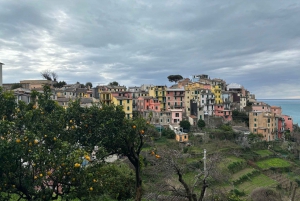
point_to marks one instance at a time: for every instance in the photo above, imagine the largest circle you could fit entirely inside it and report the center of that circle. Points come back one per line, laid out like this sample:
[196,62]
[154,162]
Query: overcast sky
[252,43]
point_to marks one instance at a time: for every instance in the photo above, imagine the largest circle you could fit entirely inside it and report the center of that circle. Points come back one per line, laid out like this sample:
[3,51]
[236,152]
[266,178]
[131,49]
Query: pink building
[127,94]
[148,103]
[261,106]
[276,110]
[175,98]
[176,115]
[225,113]
[288,123]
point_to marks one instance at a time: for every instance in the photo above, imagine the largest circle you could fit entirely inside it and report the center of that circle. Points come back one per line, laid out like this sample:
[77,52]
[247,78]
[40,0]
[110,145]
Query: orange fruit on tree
[35,141]
[157,156]
[134,126]
[35,177]
[18,140]
[142,132]
[91,189]
[87,157]
[49,173]
[41,175]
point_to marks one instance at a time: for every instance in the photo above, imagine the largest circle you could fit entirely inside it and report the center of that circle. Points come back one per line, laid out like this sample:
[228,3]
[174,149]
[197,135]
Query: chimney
[1,64]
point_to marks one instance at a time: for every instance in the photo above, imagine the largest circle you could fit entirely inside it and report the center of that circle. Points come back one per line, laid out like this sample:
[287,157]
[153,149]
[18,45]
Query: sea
[289,107]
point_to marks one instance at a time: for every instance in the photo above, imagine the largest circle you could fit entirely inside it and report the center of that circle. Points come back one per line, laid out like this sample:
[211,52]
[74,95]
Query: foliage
[185,124]
[240,116]
[114,83]
[46,150]
[49,75]
[37,162]
[226,127]
[201,123]
[253,138]
[246,177]
[88,84]
[168,133]
[236,166]
[174,78]
[273,162]
[265,194]
[16,85]
[59,84]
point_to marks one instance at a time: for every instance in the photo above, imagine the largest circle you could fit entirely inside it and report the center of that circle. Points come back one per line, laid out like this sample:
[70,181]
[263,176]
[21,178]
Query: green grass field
[241,173]
[257,181]
[264,153]
[273,162]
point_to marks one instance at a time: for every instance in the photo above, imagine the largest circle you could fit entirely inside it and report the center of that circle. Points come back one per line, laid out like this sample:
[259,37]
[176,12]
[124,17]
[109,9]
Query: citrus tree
[107,128]
[36,162]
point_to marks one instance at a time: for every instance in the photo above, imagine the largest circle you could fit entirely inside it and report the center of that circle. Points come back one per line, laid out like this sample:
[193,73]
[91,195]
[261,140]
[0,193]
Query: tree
[265,194]
[170,134]
[88,84]
[59,84]
[201,123]
[109,123]
[185,124]
[174,78]
[37,163]
[173,166]
[49,75]
[15,86]
[114,83]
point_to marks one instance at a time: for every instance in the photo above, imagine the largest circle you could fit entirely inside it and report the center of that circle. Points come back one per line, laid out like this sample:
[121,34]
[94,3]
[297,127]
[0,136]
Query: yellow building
[182,137]
[263,123]
[126,103]
[217,91]
[106,98]
[159,92]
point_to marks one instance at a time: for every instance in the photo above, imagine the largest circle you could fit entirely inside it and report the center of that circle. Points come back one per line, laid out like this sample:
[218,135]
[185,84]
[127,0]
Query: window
[168,120]
[128,101]
[254,125]
[176,114]
[254,119]
[120,102]
[169,98]
[128,116]
[128,108]
[161,120]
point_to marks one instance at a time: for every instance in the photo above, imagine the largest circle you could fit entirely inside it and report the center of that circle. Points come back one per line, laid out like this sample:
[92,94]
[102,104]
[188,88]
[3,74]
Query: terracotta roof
[193,116]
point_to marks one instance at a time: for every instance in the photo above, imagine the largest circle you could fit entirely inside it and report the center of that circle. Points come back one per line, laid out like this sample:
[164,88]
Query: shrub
[168,133]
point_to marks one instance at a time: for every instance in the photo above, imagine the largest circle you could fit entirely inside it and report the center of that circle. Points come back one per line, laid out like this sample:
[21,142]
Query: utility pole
[204,163]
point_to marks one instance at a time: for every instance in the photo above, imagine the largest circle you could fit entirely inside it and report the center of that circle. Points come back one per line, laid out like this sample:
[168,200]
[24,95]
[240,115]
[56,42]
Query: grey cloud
[135,42]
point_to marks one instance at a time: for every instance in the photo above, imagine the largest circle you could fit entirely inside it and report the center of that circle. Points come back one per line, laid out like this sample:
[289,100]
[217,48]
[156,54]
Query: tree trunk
[204,186]
[138,196]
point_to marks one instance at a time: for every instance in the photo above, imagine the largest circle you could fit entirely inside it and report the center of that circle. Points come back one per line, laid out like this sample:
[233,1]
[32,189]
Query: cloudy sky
[252,43]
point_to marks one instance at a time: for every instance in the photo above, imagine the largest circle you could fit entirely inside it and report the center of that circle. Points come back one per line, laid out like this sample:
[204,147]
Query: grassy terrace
[241,173]
[273,162]
[264,153]
[257,181]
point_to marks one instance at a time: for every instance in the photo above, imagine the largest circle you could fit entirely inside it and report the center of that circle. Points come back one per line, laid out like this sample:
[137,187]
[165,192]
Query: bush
[168,133]
[185,124]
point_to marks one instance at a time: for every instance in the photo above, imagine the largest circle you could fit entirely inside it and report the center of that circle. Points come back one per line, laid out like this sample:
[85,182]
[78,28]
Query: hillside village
[212,100]
[243,153]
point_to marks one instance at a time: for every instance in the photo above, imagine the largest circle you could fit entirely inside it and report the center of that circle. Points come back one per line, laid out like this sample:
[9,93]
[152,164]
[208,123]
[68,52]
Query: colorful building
[159,92]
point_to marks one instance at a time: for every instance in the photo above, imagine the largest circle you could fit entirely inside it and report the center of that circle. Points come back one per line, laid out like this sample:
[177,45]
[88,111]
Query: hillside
[236,172]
